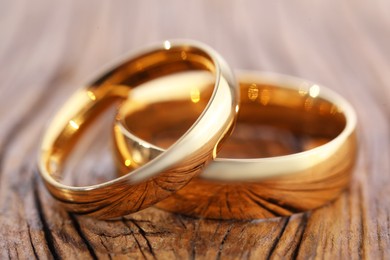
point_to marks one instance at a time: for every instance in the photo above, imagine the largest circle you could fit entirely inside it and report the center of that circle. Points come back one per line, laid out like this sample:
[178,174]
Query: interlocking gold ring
[249,188]
[171,170]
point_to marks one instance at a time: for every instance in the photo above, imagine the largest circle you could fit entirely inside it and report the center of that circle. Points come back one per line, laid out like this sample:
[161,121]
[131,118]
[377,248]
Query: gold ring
[171,170]
[249,188]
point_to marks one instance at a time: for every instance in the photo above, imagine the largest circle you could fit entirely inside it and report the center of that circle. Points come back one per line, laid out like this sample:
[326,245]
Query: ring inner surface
[88,103]
[272,121]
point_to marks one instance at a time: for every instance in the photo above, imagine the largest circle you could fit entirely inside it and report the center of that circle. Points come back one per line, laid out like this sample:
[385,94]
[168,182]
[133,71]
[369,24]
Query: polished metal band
[169,172]
[247,188]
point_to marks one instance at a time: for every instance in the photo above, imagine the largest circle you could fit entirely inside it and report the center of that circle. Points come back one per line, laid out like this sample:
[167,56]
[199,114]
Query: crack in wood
[77,227]
[105,247]
[143,234]
[31,242]
[362,250]
[223,241]
[194,239]
[302,229]
[50,242]
[135,238]
[284,222]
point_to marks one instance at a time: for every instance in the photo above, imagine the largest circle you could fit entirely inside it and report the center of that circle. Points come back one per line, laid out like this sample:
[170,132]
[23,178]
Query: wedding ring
[251,188]
[169,171]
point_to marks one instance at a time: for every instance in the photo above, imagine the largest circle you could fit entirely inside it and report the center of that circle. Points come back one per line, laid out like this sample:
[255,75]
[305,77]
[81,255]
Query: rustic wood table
[49,48]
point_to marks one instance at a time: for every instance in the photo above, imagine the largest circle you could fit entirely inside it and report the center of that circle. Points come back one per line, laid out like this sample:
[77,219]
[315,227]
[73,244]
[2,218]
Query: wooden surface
[48,49]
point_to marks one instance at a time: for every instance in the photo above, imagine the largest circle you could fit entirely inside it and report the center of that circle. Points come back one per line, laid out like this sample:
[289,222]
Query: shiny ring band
[250,188]
[167,173]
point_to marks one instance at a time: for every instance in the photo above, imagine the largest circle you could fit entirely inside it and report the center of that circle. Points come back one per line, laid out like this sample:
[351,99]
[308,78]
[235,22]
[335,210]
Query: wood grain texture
[47,49]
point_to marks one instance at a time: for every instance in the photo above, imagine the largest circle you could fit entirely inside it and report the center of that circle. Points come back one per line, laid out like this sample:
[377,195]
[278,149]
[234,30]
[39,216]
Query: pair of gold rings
[177,105]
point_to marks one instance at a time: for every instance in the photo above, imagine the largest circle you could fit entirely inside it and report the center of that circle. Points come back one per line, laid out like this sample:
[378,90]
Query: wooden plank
[48,49]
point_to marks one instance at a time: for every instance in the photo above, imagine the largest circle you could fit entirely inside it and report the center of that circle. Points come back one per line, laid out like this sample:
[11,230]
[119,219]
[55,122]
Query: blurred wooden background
[47,50]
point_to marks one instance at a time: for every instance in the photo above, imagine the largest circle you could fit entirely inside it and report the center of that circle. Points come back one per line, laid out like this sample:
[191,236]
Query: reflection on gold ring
[168,173]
